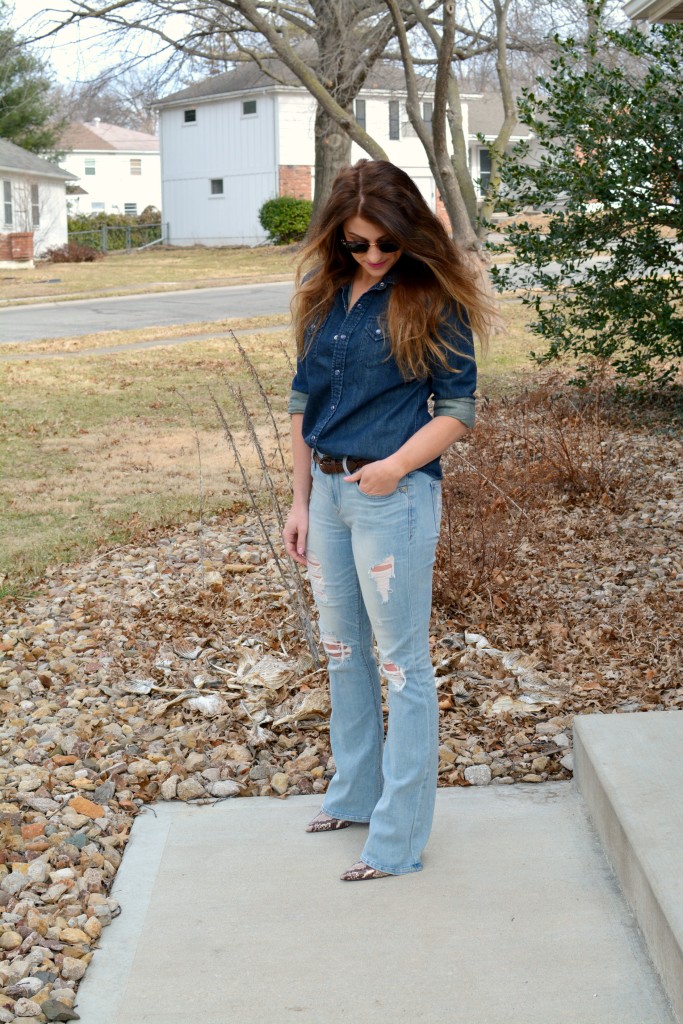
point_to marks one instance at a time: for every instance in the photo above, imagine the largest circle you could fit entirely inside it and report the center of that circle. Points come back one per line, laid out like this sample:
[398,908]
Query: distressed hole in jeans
[395,676]
[381,573]
[315,575]
[336,650]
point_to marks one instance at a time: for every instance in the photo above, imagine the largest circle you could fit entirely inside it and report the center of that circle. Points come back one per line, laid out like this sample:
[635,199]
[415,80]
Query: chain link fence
[113,237]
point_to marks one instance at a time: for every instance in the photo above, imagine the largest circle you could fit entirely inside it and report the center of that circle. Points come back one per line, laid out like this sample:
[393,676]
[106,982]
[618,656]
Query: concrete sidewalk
[232,914]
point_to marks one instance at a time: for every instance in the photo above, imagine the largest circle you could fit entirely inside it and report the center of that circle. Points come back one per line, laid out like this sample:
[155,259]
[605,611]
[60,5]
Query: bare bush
[546,448]
[72,252]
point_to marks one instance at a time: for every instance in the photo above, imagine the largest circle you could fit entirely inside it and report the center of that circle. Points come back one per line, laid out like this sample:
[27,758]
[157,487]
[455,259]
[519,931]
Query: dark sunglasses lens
[359,247]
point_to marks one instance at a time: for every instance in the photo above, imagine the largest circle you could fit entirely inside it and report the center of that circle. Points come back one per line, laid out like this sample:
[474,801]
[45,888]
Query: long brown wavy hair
[432,275]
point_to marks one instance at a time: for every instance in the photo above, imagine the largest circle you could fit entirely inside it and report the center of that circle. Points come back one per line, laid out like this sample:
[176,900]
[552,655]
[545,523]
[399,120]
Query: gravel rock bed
[175,669]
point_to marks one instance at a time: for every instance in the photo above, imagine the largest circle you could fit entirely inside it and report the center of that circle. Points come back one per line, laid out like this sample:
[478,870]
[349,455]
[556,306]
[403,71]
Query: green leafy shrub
[603,273]
[122,231]
[285,219]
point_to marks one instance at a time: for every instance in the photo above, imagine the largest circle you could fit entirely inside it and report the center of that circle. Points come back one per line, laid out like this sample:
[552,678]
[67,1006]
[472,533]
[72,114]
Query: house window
[427,111]
[248,108]
[7,196]
[394,132]
[216,186]
[130,209]
[135,166]
[97,207]
[89,166]
[190,116]
[484,170]
[35,206]
[360,113]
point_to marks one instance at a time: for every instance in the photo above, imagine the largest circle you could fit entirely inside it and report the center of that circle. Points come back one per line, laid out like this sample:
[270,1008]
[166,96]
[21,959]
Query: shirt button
[336,373]
[336,337]
[343,336]
[333,407]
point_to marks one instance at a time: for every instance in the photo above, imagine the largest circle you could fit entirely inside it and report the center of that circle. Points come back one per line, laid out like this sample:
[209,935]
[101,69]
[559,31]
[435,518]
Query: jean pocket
[377,497]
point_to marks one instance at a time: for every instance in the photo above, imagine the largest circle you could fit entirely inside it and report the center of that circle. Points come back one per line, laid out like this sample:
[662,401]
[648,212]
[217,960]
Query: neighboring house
[33,205]
[236,139]
[655,10]
[118,169]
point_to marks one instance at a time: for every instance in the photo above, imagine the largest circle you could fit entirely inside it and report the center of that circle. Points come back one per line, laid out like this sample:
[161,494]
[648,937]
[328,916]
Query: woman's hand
[295,532]
[377,478]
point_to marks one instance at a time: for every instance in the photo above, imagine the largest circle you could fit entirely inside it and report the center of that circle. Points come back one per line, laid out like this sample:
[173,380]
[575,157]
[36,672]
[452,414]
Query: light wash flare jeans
[370,563]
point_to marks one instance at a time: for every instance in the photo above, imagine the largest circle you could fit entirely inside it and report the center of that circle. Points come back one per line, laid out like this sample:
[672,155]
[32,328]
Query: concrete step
[629,769]
[233,914]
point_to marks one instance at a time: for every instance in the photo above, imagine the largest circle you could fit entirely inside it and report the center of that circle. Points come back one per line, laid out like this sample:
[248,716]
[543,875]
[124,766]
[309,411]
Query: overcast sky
[77,53]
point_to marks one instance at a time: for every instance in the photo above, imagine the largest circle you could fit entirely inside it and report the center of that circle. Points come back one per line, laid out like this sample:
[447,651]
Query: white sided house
[235,140]
[118,169]
[33,205]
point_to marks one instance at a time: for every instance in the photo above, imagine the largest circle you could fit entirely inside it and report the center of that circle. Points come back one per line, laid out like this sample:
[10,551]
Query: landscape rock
[86,807]
[169,788]
[280,782]
[26,1008]
[55,1010]
[190,789]
[224,788]
[478,775]
[73,969]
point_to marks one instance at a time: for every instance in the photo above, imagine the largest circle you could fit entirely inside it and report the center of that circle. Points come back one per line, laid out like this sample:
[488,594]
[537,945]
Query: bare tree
[444,140]
[330,46]
[123,98]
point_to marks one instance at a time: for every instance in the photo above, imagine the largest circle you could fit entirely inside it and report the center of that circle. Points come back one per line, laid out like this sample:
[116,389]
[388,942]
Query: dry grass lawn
[156,269]
[97,449]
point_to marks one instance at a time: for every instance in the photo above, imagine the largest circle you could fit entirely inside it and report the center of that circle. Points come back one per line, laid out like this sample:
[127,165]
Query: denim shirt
[355,399]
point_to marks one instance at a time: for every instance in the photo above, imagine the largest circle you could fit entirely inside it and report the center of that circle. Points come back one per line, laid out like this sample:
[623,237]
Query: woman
[382,324]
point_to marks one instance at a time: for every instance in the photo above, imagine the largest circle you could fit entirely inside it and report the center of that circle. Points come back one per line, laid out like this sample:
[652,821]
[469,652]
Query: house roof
[485,109]
[14,158]
[100,136]
[655,10]
[249,76]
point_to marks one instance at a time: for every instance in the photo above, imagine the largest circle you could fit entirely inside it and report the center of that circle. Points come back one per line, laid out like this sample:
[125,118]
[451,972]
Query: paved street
[85,316]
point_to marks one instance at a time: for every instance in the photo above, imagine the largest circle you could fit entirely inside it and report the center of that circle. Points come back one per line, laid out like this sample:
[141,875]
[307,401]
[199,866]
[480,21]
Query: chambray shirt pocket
[376,348]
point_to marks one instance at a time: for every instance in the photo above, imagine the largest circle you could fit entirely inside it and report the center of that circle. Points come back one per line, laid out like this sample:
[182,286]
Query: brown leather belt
[346,465]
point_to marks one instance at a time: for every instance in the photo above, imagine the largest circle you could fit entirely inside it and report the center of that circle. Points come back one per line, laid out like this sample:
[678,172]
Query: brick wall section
[21,245]
[5,248]
[296,180]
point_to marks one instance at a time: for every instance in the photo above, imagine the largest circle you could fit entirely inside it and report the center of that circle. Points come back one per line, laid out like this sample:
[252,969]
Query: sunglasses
[358,247]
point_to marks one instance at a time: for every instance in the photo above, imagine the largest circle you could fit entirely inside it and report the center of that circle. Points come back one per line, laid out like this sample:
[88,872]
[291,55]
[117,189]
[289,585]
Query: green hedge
[286,219]
[91,221]
[122,231]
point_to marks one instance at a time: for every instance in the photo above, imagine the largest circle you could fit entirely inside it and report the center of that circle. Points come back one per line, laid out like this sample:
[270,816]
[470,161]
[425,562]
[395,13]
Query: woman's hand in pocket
[377,479]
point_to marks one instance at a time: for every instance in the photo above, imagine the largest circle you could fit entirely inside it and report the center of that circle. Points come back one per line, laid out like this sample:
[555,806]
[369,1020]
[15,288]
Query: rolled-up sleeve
[298,396]
[454,386]
[297,401]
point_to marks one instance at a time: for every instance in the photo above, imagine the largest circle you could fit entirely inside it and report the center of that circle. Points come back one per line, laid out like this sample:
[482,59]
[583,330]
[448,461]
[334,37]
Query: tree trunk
[497,149]
[332,152]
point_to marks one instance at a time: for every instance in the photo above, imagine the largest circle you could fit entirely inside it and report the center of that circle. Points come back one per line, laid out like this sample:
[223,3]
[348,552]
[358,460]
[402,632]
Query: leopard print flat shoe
[360,872]
[325,823]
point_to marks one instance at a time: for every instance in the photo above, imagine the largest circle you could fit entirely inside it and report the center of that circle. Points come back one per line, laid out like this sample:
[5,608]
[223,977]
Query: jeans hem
[346,817]
[392,871]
